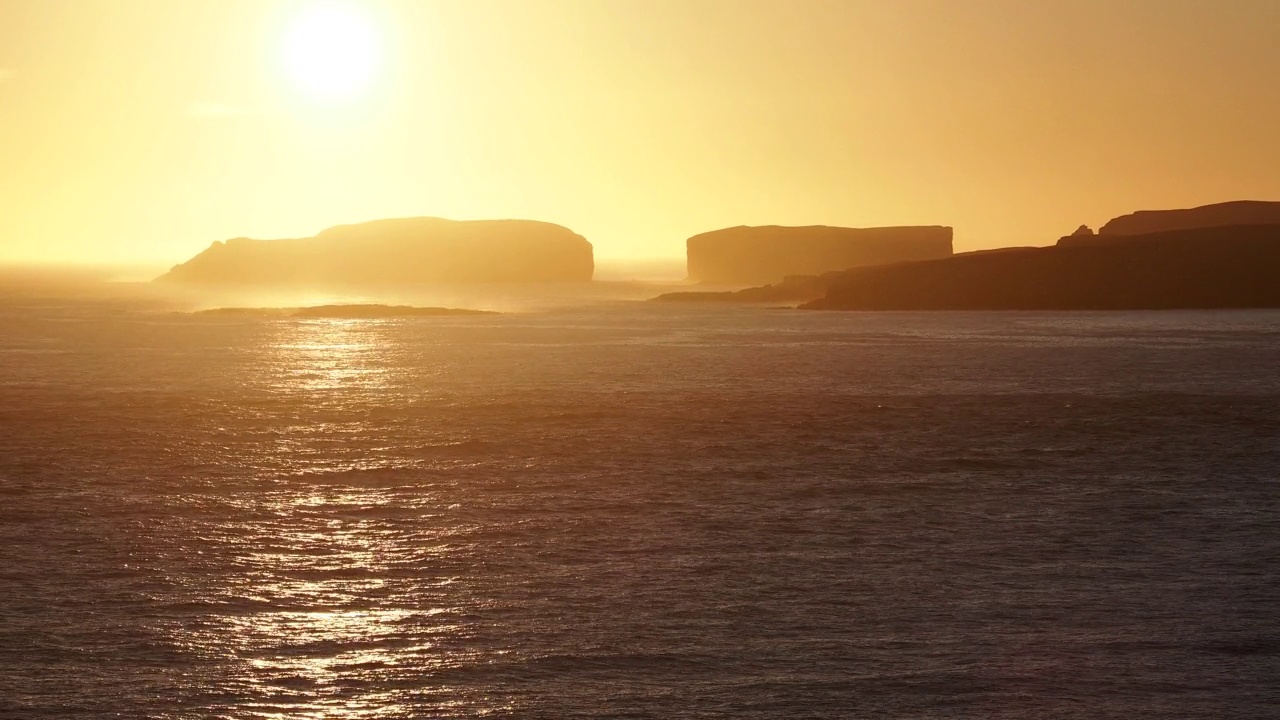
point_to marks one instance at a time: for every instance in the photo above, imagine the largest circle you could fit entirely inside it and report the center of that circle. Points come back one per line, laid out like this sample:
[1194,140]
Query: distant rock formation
[398,252]
[343,312]
[1084,231]
[1241,212]
[757,255]
[1215,267]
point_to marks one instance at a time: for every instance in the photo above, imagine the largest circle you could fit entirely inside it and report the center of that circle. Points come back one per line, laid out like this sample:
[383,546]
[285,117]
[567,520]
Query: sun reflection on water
[329,617]
[343,600]
[330,355]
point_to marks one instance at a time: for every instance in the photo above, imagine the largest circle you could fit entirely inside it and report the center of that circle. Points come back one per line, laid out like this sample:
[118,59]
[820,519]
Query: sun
[331,53]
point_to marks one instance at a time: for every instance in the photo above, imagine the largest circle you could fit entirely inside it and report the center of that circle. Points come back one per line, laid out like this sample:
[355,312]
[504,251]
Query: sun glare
[331,53]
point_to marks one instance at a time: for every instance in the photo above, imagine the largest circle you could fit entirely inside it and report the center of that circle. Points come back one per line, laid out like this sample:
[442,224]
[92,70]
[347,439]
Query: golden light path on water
[634,510]
[330,355]
[342,586]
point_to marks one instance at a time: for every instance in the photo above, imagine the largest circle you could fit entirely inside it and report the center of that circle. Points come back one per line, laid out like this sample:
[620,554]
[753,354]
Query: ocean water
[630,510]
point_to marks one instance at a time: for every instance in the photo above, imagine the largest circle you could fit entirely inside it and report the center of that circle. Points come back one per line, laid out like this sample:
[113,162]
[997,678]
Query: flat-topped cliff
[1240,212]
[756,255]
[1216,267]
[398,252]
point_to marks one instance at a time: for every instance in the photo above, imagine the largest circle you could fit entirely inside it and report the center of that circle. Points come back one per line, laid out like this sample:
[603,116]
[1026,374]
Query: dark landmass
[756,255]
[345,312]
[1240,212]
[1204,268]
[399,252]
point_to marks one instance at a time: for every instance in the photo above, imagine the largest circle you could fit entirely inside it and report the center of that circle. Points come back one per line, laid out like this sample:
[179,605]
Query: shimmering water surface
[633,510]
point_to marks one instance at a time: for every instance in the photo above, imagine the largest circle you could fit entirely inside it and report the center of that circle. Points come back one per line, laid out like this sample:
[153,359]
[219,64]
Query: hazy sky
[142,130]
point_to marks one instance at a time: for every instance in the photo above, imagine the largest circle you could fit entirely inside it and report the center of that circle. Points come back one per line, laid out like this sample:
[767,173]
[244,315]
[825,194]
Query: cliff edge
[1240,212]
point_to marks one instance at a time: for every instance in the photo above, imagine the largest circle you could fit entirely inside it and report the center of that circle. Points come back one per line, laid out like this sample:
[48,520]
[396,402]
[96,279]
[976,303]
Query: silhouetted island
[754,255]
[397,252]
[345,312]
[1215,267]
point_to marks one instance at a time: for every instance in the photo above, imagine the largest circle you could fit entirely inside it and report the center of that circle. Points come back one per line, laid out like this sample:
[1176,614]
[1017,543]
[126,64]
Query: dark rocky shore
[1215,256]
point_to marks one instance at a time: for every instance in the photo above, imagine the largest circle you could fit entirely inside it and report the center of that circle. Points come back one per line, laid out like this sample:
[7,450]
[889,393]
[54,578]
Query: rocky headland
[1225,255]
[1217,267]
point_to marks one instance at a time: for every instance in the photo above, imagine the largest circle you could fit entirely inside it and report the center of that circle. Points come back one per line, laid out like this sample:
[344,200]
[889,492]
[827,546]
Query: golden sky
[142,130]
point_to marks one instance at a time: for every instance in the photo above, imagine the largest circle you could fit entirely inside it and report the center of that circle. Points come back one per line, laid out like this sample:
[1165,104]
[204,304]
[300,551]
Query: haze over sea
[610,508]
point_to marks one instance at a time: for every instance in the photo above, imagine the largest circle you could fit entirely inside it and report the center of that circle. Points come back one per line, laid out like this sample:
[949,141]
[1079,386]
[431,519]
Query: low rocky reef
[792,290]
[397,253]
[757,255]
[344,312]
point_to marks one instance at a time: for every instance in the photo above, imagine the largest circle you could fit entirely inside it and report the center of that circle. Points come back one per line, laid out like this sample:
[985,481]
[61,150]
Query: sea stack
[398,252]
[759,255]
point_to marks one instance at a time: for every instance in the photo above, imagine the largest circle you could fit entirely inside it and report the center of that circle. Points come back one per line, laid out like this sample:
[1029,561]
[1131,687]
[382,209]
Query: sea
[612,508]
